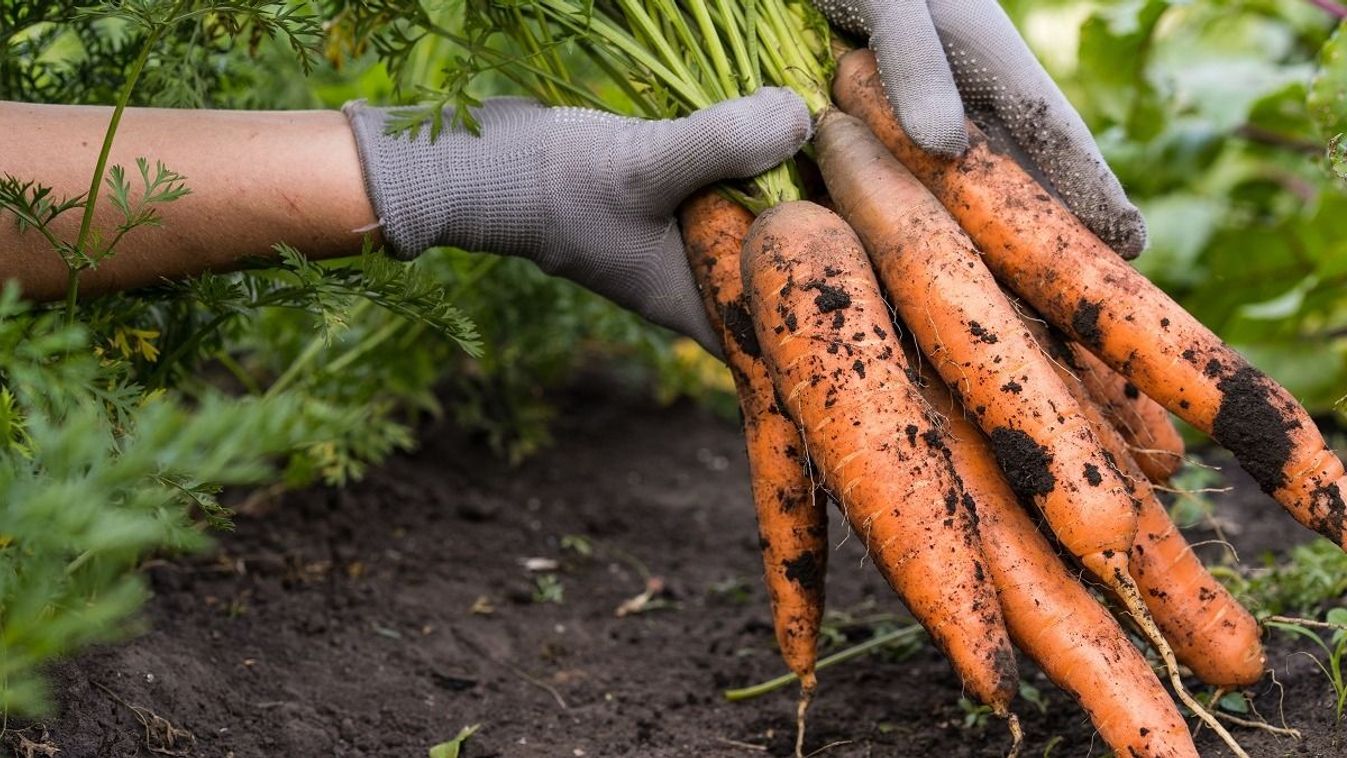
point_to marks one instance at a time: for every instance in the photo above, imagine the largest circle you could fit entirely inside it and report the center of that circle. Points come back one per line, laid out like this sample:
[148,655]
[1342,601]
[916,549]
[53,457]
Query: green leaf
[1282,306]
[1034,696]
[451,748]
[1337,616]
[1234,702]
[1113,54]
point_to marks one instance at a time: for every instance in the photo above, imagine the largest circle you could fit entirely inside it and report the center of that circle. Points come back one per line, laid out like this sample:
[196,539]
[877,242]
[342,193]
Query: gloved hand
[939,57]
[584,194]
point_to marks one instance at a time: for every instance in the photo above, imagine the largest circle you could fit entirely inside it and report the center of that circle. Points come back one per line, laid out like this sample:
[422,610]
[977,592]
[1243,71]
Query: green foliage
[94,473]
[122,418]
[547,588]
[1300,583]
[1328,90]
[1334,649]
[451,748]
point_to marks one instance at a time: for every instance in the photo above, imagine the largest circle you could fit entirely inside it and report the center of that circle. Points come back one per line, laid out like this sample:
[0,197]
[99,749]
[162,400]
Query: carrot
[974,337]
[1211,633]
[1050,615]
[950,301]
[829,344]
[1034,245]
[792,522]
[1144,424]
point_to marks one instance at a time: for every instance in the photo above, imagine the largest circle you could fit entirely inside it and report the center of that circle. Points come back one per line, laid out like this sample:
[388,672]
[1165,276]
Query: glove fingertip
[946,142]
[789,117]
[1125,232]
[935,122]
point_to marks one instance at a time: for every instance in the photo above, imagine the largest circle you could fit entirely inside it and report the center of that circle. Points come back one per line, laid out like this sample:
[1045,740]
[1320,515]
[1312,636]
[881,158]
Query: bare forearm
[257,178]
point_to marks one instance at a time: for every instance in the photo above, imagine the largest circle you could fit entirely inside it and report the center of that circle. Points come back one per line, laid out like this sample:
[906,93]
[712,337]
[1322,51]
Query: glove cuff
[459,190]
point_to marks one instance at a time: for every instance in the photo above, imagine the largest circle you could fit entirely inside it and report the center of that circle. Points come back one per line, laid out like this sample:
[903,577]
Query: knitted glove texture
[586,195]
[940,59]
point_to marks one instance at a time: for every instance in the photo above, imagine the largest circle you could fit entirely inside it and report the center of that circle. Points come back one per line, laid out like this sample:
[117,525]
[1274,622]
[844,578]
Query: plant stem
[91,201]
[380,336]
[310,352]
[711,39]
[743,59]
[902,634]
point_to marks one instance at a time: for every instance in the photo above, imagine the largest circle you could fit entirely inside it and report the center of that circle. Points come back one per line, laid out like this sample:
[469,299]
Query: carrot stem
[903,634]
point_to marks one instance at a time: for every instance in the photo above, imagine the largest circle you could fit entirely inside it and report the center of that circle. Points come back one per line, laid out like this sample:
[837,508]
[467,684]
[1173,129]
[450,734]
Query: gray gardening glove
[586,195]
[940,57]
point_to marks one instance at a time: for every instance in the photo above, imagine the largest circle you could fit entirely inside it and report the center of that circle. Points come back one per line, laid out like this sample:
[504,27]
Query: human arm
[586,195]
[256,178]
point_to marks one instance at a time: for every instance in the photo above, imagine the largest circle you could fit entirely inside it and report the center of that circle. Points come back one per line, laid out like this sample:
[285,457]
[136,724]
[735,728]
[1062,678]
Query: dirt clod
[740,326]
[1252,428]
[1085,323]
[829,298]
[1025,462]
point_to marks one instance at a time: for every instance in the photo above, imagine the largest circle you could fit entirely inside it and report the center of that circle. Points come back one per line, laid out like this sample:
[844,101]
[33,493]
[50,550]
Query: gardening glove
[938,58]
[584,194]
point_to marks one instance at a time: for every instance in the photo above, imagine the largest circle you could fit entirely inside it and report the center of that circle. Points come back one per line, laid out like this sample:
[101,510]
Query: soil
[380,619]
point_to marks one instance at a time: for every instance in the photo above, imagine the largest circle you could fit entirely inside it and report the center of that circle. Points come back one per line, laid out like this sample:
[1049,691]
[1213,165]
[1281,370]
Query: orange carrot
[1143,423]
[829,344]
[1035,246]
[936,280]
[1211,633]
[792,522]
[1050,615]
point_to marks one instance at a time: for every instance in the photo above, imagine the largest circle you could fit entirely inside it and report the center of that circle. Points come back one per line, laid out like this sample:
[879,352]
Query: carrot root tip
[1016,735]
[807,685]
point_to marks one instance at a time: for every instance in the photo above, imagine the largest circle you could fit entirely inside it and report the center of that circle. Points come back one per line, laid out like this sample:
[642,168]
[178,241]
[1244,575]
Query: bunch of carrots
[943,350]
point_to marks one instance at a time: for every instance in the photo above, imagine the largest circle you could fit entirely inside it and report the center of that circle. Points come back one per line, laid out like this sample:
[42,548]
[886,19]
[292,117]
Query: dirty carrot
[830,346]
[973,337]
[1040,250]
[1041,436]
[1144,424]
[792,521]
[1050,615]
[1210,632]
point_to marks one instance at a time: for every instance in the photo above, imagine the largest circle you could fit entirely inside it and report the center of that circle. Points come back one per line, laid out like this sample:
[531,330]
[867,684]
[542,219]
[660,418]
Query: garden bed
[381,619]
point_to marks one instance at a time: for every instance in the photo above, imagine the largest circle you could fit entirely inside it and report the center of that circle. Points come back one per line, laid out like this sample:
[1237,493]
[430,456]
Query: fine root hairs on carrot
[792,514]
[828,341]
[974,339]
[1035,246]
[1211,633]
[1050,615]
[1239,649]
[1144,424]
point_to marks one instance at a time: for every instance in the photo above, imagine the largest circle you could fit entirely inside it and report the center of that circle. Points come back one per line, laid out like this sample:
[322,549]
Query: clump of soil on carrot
[1252,428]
[342,623]
[1085,322]
[740,326]
[1025,462]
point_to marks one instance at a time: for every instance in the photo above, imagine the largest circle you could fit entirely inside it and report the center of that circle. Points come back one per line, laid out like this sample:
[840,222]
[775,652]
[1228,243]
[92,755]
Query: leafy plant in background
[115,438]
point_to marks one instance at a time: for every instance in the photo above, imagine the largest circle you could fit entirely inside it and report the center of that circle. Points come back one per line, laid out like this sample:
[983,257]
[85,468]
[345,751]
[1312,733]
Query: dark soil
[342,623]
[1027,464]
